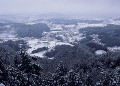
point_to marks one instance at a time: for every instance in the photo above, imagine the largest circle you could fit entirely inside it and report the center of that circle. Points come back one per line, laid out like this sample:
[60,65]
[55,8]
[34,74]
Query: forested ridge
[71,66]
[108,35]
[34,30]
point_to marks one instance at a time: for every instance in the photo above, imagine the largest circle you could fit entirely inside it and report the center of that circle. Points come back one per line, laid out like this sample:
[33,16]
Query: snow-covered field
[83,25]
[38,43]
[7,36]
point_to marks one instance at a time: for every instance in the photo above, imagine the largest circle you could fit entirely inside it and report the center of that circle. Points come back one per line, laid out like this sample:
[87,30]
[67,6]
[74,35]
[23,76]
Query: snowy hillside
[60,33]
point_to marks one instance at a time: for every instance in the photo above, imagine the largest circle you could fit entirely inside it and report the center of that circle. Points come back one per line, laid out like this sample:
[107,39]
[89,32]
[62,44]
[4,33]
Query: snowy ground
[1,84]
[114,49]
[7,36]
[69,34]
[38,43]
[100,52]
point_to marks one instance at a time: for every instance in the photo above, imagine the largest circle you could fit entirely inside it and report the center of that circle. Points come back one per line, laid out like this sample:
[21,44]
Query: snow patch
[83,25]
[1,84]
[114,49]
[100,52]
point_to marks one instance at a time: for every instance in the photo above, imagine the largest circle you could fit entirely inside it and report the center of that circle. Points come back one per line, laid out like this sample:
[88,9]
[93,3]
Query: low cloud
[96,7]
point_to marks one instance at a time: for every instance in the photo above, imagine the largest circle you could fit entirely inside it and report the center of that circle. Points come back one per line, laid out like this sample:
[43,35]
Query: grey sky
[60,6]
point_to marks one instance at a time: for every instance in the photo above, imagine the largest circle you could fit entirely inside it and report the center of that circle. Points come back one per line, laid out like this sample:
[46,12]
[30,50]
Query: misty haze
[59,43]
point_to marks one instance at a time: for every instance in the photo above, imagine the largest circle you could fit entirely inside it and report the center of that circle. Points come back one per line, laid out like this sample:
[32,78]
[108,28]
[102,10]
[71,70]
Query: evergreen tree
[3,72]
[60,75]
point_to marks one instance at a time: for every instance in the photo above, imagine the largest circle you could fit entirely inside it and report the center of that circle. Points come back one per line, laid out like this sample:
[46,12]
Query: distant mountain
[73,21]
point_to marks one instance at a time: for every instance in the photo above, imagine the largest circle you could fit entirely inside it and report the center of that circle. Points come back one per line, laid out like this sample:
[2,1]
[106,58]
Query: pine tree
[16,61]
[3,72]
[60,75]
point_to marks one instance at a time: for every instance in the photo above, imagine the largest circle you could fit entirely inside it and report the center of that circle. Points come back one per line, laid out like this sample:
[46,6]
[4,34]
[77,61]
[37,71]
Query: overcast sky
[60,6]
